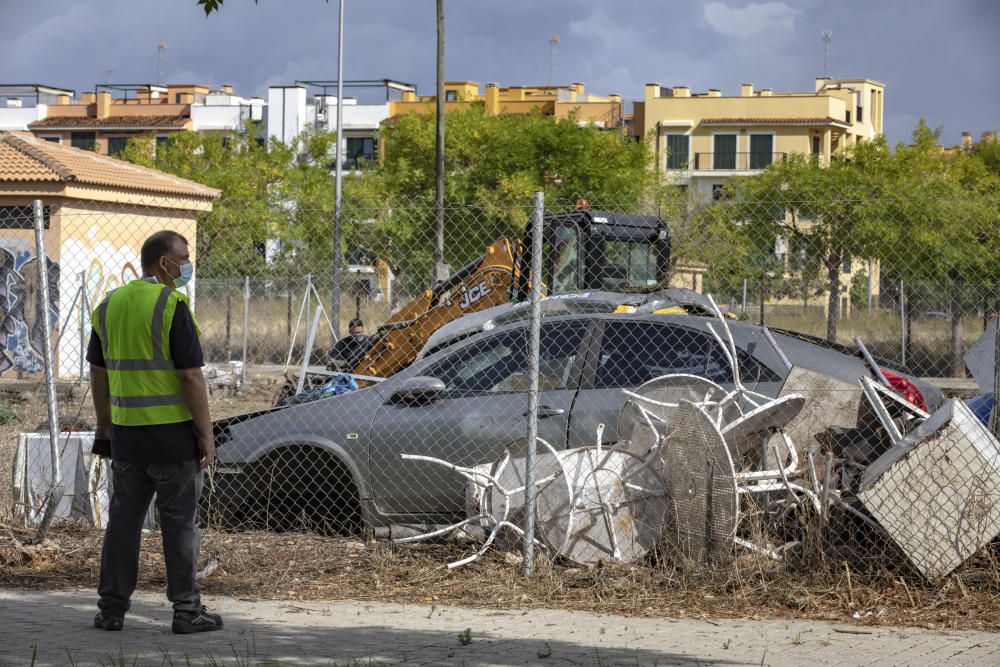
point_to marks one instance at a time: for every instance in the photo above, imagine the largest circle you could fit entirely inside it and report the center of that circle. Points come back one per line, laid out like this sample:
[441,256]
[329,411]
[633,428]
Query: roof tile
[25,158]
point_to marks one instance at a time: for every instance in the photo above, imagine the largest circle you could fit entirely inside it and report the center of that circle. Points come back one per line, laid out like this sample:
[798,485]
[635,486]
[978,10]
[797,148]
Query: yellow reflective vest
[133,323]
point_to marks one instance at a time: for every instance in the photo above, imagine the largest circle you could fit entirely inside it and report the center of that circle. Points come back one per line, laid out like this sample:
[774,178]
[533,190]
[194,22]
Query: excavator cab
[604,250]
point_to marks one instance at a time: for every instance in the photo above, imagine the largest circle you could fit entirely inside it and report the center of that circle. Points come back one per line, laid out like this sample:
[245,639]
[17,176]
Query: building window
[359,149]
[677,151]
[761,150]
[451,96]
[116,145]
[847,264]
[22,217]
[725,151]
[848,116]
[816,144]
[54,138]
[85,140]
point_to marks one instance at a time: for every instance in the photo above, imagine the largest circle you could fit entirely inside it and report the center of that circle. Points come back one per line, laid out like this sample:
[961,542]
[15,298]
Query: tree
[266,193]
[494,165]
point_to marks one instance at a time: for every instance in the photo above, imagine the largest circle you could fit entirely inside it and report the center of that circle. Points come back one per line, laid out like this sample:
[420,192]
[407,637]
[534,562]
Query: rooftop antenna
[108,71]
[160,48]
[827,37]
[553,43]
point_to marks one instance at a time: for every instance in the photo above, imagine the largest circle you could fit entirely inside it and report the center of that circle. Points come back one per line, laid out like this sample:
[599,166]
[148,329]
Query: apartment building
[103,120]
[559,102]
[701,139]
[310,106]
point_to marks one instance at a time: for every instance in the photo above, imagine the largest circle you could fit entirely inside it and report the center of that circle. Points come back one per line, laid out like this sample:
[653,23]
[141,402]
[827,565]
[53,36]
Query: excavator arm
[482,284]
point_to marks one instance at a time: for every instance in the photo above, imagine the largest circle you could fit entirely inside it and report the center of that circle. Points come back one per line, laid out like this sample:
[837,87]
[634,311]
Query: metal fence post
[56,488]
[246,320]
[84,321]
[533,353]
[902,324]
[743,307]
[994,424]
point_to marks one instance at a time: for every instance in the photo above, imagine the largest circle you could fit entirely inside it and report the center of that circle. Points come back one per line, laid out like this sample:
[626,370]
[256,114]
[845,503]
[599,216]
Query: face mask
[358,337]
[187,272]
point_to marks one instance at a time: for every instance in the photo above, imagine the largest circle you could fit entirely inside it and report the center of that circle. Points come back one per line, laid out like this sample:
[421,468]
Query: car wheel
[298,488]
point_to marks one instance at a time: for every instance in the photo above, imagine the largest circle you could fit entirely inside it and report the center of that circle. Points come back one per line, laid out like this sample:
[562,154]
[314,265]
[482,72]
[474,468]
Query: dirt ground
[295,567]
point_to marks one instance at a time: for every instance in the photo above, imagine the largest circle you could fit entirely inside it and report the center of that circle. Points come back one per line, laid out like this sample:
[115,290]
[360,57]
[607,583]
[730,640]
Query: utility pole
[827,37]
[553,43]
[339,179]
[160,48]
[439,151]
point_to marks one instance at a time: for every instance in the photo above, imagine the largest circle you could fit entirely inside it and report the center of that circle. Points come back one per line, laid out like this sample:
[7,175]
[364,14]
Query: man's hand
[102,431]
[206,448]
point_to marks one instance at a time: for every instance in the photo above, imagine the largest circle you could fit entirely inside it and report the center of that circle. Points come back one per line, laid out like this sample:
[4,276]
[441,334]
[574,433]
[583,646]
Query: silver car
[335,464]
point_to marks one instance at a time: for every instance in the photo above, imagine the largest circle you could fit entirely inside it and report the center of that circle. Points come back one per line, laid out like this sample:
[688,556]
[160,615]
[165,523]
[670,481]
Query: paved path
[58,627]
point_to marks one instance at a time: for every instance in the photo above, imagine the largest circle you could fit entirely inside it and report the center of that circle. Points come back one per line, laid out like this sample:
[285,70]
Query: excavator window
[567,270]
[628,264]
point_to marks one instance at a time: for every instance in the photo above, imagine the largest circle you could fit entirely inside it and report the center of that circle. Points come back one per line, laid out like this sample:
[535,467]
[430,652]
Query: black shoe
[109,621]
[187,622]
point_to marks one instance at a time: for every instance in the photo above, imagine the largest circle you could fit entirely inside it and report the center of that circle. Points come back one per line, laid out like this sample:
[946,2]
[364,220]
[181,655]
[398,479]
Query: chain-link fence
[802,413]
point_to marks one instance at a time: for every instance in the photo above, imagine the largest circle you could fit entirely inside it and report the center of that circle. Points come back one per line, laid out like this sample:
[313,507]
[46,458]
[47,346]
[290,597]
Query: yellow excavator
[583,250]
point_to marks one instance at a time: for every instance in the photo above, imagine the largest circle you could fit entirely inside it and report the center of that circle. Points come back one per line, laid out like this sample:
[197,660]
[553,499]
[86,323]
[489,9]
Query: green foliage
[492,161]
[265,194]
[924,214]
[859,290]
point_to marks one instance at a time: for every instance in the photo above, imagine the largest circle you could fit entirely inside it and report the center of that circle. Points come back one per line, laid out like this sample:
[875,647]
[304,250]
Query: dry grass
[309,567]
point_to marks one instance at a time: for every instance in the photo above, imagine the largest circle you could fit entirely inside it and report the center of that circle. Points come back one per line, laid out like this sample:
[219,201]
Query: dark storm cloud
[938,59]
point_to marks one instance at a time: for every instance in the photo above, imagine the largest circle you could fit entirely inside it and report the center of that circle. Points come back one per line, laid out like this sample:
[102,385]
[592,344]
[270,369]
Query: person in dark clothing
[151,402]
[350,349]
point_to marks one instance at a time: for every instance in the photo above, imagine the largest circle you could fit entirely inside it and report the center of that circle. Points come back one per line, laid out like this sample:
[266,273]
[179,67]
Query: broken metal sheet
[603,504]
[701,485]
[751,431]
[937,495]
[981,358]
[832,403]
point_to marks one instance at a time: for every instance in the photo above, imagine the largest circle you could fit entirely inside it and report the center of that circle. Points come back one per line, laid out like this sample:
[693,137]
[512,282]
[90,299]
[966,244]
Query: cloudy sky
[938,58]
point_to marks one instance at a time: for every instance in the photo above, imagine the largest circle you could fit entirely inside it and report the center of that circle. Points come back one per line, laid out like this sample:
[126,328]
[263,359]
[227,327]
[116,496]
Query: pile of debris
[702,472]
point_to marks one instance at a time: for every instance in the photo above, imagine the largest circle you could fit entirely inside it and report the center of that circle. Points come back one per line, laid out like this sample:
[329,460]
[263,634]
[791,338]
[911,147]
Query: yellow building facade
[556,101]
[701,139]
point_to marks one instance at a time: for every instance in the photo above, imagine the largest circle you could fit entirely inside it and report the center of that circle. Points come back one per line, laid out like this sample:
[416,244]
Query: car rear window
[635,352]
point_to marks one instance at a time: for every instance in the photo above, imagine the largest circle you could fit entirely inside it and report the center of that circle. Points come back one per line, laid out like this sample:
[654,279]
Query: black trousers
[177,487]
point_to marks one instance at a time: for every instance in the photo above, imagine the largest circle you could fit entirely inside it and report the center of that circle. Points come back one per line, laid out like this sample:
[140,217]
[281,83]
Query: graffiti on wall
[21,323]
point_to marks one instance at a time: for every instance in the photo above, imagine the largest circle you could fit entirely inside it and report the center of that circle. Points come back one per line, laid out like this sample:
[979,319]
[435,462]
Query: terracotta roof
[25,158]
[111,123]
[773,121]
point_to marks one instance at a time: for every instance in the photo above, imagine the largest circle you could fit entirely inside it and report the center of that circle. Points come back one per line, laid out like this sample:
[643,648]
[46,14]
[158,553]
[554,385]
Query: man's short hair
[356,322]
[157,246]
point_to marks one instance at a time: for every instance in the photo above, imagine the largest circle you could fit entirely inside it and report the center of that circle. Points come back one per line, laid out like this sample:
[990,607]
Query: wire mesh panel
[320,387]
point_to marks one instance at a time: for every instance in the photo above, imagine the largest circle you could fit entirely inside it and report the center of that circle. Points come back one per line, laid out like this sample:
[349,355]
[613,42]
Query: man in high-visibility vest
[149,393]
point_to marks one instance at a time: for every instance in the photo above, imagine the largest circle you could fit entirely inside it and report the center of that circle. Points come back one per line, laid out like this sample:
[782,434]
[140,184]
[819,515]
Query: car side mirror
[418,389]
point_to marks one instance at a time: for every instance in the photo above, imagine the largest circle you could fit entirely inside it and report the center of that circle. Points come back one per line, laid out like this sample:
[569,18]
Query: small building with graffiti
[97,211]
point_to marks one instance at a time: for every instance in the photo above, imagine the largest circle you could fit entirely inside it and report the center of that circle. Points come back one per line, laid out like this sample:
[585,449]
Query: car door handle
[546,411]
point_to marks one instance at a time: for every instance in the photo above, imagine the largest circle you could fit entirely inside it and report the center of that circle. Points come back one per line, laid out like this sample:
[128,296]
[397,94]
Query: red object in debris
[906,389]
